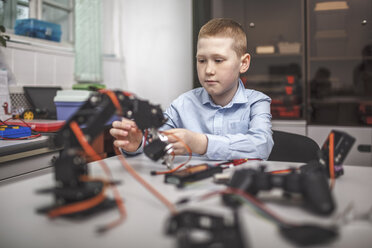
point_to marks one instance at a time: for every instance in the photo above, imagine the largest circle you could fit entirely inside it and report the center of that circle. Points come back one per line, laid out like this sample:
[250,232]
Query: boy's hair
[223,27]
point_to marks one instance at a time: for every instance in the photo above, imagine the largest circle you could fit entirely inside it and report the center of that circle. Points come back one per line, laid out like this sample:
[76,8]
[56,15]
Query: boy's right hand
[127,135]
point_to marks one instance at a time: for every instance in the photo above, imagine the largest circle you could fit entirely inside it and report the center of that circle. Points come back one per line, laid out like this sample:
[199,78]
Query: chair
[292,147]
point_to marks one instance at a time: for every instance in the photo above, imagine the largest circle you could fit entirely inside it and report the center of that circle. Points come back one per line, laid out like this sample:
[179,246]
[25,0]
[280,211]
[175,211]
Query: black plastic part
[343,143]
[82,191]
[316,192]
[244,179]
[155,150]
[147,115]
[312,184]
[312,166]
[217,233]
[192,174]
[306,235]
[231,201]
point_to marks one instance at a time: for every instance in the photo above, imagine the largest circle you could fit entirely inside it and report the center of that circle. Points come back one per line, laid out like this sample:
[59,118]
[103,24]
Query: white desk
[20,226]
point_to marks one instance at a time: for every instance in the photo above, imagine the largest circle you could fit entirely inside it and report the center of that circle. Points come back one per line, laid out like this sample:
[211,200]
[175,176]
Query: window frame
[35,11]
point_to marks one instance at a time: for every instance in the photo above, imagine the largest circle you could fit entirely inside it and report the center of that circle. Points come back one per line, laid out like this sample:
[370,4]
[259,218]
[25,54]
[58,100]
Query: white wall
[151,44]
[156,43]
[32,65]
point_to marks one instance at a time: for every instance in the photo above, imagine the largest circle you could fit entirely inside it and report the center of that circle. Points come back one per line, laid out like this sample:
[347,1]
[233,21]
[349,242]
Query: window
[55,11]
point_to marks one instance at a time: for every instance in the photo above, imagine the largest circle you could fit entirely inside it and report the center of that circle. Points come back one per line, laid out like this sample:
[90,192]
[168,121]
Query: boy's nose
[209,69]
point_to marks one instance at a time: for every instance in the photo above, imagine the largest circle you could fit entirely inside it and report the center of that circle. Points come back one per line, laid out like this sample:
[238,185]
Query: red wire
[247,196]
[256,202]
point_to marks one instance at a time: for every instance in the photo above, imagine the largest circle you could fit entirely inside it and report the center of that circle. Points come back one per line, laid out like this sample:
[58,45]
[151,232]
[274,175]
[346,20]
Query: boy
[221,120]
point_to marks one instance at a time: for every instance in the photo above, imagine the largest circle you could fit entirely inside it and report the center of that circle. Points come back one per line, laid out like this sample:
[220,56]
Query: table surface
[21,226]
[16,148]
[15,143]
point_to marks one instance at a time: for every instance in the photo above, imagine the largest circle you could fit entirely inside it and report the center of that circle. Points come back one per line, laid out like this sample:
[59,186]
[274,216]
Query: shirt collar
[238,98]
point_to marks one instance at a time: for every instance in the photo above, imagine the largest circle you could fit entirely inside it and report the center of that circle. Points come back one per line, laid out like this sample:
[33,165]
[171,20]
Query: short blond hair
[224,27]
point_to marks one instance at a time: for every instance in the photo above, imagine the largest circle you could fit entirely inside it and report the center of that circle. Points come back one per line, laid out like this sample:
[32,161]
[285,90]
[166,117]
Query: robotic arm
[92,116]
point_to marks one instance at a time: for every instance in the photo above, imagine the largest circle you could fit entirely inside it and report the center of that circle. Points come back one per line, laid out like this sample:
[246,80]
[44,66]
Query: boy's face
[219,67]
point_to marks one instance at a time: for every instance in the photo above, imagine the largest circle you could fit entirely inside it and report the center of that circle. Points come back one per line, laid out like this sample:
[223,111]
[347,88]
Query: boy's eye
[201,60]
[218,60]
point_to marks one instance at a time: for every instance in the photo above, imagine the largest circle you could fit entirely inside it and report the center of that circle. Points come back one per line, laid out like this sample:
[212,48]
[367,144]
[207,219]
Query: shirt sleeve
[256,143]
[172,116]
[139,150]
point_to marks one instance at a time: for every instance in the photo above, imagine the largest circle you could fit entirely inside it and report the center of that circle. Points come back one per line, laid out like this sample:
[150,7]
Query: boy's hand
[196,141]
[127,135]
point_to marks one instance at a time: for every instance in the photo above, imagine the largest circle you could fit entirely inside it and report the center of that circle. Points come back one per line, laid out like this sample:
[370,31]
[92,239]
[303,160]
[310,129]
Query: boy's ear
[245,62]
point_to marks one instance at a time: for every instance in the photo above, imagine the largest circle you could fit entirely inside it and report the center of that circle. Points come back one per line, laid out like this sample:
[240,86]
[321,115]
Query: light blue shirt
[241,129]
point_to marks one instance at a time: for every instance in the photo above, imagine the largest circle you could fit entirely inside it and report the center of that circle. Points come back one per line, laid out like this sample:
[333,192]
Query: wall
[148,46]
[157,47]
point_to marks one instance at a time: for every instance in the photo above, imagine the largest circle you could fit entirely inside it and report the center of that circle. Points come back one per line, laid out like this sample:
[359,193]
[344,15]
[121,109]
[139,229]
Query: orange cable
[114,100]
[91,152]
[130,169]
[181,165]
[135,175]
[280,171]
[331,159]
[127,93]
[79,206]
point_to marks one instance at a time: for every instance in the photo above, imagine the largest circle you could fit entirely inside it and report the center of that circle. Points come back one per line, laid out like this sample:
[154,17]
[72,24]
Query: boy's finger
[121,143]
[171,139]
[118,132]
[117,124]
[121,125]
[128,121]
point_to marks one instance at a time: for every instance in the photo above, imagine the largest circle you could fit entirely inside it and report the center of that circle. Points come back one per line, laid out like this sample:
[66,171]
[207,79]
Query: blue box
[14,131]
[66,109]
[38,29]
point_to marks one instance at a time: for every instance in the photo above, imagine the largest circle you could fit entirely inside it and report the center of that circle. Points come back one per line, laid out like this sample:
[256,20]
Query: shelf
[339,59]
[341,99]
[276,55]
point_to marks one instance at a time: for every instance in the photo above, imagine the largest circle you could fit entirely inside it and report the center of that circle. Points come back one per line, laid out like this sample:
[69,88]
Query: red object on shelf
[44,126]
[290,79]
[365,111]
[282,111]
[369,120]
[289,90]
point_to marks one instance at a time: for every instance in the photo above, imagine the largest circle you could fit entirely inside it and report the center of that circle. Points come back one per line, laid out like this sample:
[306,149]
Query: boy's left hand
[196,141]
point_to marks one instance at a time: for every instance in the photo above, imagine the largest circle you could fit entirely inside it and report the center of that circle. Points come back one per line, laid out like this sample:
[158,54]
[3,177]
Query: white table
[144,227]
